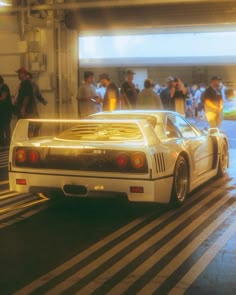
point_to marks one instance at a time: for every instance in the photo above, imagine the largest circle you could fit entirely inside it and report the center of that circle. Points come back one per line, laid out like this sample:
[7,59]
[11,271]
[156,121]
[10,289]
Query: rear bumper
[158,190]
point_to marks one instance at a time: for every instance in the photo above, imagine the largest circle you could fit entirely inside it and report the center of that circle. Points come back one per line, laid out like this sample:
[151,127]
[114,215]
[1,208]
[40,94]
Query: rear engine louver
[160,162]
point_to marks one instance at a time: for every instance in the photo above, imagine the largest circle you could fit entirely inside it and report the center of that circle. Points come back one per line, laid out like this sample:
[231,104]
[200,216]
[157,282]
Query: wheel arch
[218,146]
[188,161]
[227,143]
[225,140]
[178,196]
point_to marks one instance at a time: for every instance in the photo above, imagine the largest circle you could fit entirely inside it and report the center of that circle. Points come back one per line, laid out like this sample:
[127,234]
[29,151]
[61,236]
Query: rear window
[155,120]
[103,132]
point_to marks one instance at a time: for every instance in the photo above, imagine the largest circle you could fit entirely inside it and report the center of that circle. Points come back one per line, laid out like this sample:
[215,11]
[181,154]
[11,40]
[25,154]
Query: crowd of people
[108,96]
[197,101]
[24,104]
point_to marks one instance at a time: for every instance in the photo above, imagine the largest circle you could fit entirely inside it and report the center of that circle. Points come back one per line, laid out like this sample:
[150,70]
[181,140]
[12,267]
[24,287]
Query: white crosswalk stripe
[122,267]
[15,206]
[4,159]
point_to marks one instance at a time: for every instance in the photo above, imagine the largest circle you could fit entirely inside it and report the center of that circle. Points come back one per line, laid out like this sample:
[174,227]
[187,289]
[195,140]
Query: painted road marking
[4,182]
[185,253]
[203,262]
[131,278]
[83,255]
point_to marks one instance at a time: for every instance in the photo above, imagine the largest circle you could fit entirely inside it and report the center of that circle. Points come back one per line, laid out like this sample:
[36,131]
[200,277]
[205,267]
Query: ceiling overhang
[91,4]
[139,16]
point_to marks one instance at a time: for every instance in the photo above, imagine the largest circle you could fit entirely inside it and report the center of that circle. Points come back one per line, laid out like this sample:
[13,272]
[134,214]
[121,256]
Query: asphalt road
[110,247]
[71,246]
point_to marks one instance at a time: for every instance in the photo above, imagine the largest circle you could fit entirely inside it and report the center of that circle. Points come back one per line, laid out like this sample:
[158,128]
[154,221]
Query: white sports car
[148,156]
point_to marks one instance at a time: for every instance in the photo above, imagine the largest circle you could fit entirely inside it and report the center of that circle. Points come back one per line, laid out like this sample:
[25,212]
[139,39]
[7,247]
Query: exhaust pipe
[75,190]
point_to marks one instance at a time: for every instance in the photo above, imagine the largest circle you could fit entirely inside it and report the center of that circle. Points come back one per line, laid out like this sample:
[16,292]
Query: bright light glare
[2,3]
[159,45]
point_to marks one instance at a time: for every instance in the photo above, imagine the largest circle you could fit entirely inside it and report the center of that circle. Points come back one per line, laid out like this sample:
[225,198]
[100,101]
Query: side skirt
[203,178]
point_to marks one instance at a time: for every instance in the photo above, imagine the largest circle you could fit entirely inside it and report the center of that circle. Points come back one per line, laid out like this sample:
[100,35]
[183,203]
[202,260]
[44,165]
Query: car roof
[118,113]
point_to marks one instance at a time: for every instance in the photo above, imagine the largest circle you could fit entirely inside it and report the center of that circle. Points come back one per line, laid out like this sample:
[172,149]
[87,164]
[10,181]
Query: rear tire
[223,159]
[180,182]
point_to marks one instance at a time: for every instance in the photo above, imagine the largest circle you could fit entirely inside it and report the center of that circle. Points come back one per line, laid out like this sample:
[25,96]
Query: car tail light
[122,161]
[21,156]
[33,157]
[137,160]
[27,157]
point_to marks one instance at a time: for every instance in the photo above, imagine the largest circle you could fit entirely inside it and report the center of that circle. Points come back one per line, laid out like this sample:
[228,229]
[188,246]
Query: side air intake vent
[160,162]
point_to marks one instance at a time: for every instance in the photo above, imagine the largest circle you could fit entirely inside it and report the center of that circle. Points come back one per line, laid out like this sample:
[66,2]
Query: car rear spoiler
[24,128]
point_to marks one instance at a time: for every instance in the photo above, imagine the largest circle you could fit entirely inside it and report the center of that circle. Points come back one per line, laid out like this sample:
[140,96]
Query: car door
[199,145]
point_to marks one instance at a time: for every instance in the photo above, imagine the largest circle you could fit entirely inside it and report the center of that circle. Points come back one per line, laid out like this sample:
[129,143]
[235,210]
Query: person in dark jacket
[25,103]
[129,92]
[167,95]
[36,91]
[5,113]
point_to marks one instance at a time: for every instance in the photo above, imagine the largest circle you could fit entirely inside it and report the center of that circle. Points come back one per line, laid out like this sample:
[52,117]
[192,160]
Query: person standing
[213,103]
[167,94]
[173,96]
[179,94]
[148,99]
[198,95]
[25,103]
[128,91]
[36,91]
[5,113]
[87,96]
[111,99]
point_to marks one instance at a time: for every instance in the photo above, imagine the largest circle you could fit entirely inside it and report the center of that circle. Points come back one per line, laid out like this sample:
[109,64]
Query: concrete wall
[49,51]
[10,57]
